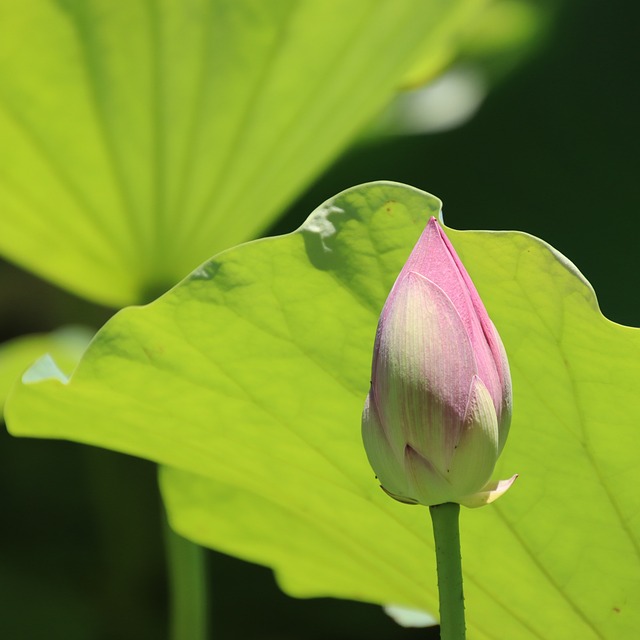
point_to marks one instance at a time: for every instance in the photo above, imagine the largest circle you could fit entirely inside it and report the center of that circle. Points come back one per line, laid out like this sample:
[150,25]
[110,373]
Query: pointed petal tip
[433,227]
[489,493]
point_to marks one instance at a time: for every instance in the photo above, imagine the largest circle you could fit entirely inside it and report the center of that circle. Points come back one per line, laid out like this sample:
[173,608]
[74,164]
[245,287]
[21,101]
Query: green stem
[446,534]
[188,587]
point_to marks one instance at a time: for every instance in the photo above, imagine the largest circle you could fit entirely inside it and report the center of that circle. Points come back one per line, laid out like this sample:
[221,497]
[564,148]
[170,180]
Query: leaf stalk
[188,587]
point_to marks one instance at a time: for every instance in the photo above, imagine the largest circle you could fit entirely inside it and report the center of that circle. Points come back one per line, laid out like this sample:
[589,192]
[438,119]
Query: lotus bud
[439,407]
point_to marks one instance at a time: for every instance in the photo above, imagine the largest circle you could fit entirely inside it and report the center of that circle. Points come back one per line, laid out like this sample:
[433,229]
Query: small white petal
[490,492]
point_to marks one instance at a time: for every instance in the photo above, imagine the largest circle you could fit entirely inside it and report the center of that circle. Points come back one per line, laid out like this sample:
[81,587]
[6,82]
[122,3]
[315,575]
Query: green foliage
[247,380]
[139,138]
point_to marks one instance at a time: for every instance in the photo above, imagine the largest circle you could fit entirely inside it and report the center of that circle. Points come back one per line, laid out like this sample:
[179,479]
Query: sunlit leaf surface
[139,138]
[248,380]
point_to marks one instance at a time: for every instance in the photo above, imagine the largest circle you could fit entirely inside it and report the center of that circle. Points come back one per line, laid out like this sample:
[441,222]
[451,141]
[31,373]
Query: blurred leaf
[506,33]
[504,28]
[446,86]
[65,346]
[248,379]
[507,26]
[139,137]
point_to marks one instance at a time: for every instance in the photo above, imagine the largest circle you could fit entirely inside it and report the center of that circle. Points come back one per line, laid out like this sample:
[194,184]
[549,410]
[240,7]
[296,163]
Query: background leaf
[248,379]
[141,137]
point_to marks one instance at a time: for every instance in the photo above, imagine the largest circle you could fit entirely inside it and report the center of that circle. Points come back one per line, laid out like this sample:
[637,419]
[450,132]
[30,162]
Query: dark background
[553,151]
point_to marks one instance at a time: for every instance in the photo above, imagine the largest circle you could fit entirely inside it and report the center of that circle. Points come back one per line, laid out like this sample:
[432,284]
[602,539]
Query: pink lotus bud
[438,411]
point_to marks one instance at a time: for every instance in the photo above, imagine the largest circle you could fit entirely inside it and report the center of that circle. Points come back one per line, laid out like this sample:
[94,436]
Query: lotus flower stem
[446,534]
[188,587]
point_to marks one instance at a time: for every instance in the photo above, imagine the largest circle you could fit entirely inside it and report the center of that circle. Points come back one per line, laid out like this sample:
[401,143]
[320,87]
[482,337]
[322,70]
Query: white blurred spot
[201,273]
[446,103]
[44,368]
[407,617]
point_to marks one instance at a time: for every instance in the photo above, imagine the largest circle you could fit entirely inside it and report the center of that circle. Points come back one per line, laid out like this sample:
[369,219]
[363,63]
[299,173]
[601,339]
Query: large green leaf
[139,138]
[248,380]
